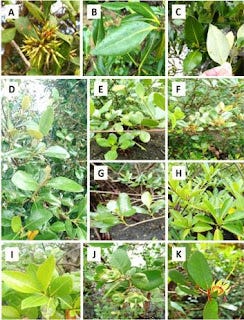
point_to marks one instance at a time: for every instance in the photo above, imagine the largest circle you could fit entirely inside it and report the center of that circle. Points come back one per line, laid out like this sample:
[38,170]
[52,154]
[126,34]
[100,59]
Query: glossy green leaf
[234,227]
[217,45]
[218,235]
[16,224]
[142,8]
[61,286]
[24,181]
[20,281]
[37,218]
[120,260]
[149,123]
[111,155]
[123,39]
[34,301]
[8,35]
[199,270]
[45,272]
[65,184]
[124,204]
[147,280]
[98,32]
[46,120]
[177,277]
[201,227]
[238,215]
[34,10]
[25,27]
[194,32]
[210,310]
[159,100]
[9,312]
[191,61]
[57,152]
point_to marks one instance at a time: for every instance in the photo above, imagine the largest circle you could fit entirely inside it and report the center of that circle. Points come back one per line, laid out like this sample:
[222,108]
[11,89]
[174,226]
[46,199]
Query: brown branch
[141,222]
[14,44]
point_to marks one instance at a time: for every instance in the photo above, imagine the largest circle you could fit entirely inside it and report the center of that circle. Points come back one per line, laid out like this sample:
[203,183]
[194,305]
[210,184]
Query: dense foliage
[127,40]
[211,34]
[208,284]
[126,284]
[44,160]
[207,123]
[127,118]
[43,40]
[44,283]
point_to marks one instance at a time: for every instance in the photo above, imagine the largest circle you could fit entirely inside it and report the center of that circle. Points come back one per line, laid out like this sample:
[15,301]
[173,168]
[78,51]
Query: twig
[14,44]
[141,222]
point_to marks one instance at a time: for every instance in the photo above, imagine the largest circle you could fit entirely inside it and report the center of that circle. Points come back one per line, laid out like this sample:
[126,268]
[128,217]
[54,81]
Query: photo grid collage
[122,159]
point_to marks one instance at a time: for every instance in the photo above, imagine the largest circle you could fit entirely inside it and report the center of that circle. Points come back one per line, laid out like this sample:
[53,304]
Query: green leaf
[191,61]
[124,204]
[147,280]
[159,100]
[140,90]
[33,130]
[46,120]
[142,8]
[210,310]
[146,199]
[201,227]
[9,312]
[61,286]
[24,181]
[20,281]
[240,32]
[98,32]
[217,45]
[123,39]
[120,260]
[238,215]
[8,35]
[34,301]
[177,277]
[218,235]
[199,270]
[111,155]
[34,10]
[235,228]
[144,136]
[45,272]
[25,27]
[37,218]
[16,224]
[65,184]
[149,123]
[57,152]
[194,33]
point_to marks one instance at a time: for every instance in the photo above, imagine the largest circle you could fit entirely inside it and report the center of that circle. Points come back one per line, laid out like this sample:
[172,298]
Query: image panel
[206,38]
[206,119]
[127,201]
[123,38]
[127,120]
[123,281]
[44,159]
[206,201]
[204,281]
[41,37]
[40,281]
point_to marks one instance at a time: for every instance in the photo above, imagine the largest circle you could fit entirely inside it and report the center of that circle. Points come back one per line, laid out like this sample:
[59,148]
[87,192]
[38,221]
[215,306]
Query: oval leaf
[210,310]
[8,35]
[199,270]
[61,286]
[34,301]
[194,32]
[9,312]
[45,272]
[120,260]
[217,45]
[46,120]
[123,39]
[147,280]
[65,184]
[16,224]
[38,217]
[24,181]
[191,61]
[57,152]
[146,199]
[20,281]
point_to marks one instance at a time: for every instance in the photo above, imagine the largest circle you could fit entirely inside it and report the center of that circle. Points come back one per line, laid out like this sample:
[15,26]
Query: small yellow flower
[231,210]
[221,287]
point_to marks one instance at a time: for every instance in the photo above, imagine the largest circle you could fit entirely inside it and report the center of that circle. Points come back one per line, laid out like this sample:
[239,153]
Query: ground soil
[155,150]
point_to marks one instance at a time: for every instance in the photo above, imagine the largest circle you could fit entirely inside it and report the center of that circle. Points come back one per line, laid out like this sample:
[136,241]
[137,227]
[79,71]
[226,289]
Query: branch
[14,44]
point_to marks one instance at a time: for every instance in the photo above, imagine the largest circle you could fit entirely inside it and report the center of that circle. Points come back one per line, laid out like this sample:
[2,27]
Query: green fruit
[118,297]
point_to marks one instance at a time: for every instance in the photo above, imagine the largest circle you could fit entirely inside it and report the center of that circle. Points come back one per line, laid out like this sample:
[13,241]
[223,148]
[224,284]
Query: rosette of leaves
[135,46]
[40,291]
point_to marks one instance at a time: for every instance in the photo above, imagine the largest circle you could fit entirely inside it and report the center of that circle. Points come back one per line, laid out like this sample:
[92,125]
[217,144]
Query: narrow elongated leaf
[45,272]
[46,120]
[34,10]
[199,270]
[123,39]
[143,9]
[61,286]
[194,32]
[38,217]
[34,301]
[210,310]
[24,181]
[65,184]
[217,45]
[57,152]
[8,35]
[120,260]
[20,281]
